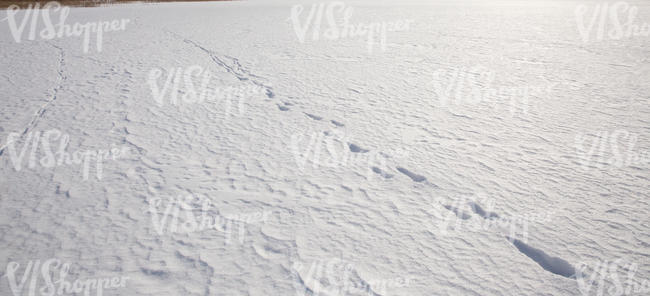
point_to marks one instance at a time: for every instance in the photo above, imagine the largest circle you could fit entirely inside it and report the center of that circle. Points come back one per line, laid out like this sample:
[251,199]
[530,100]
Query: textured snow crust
[407,194]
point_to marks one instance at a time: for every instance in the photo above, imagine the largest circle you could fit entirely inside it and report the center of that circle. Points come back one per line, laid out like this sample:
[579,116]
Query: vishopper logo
[334,277]
[609,21]
[616,148]
[55,285]
[336,149]
[338,15]
[615,278]
[475,85]
[61,157]
[475,213]
[191,213]
[58,29]
[196,85]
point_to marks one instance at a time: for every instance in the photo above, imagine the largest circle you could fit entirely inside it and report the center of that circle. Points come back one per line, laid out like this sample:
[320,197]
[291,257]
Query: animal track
[552,264]
[282,108]
[461,214]
[356,149]
[314,117]
[479,211]
[382,173]
[549,263]
[415,177]
[334,122]
[234,67]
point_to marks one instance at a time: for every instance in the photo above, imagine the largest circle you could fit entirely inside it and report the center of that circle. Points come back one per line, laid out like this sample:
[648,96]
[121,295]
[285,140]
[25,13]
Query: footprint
[555,265]
[282,108]
[481,212]
[314,117]
[356,149]
[382,173]
[337,123]
[461,214]
[415,177]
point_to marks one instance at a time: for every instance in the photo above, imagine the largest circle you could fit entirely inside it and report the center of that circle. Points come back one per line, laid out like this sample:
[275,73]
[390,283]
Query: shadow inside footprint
[356,149]
[481,212]
[382,173]
[415,177]
[555,265]
[334,122]
[461,214]
[282,108]
[314,117]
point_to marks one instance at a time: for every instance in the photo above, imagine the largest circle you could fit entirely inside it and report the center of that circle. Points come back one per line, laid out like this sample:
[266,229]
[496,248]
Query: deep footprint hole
[552,264]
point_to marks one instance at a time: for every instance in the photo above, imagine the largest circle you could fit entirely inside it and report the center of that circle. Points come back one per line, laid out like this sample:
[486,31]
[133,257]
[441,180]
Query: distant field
[87,3]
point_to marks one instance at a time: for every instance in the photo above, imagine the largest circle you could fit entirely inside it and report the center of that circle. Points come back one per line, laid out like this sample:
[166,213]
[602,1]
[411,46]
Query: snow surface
[375,220]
